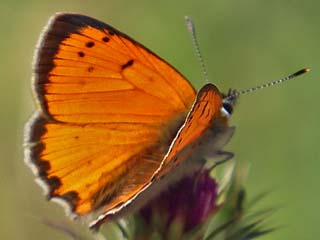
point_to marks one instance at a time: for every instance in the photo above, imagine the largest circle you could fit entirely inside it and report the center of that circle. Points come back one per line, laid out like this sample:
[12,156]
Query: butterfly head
[228,102]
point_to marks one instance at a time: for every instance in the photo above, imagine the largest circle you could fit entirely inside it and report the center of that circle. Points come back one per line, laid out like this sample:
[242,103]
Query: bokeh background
[244,43]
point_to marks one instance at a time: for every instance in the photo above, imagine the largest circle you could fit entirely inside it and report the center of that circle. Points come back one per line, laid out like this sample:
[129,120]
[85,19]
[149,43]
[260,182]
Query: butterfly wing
[106,109]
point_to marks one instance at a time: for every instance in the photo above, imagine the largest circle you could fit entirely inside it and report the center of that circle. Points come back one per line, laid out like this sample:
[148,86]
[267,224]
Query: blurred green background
[244,43]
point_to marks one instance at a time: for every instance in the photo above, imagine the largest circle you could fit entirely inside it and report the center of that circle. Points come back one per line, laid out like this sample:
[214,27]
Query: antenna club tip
[300,72]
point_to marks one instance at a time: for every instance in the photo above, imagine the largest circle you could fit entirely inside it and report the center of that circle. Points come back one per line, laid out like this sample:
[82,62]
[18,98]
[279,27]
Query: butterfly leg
[96,227]
[226,156]
[122,230]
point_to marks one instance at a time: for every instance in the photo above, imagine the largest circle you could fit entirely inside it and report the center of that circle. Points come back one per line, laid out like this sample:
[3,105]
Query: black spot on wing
[106,39]
[127,64]
[81,54]
[89,44]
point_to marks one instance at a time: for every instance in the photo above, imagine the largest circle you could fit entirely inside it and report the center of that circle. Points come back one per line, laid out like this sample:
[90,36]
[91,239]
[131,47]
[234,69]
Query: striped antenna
[192,31]
[266,85]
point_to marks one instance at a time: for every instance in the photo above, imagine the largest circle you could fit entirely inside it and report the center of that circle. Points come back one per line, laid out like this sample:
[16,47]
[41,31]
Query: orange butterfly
[115,123]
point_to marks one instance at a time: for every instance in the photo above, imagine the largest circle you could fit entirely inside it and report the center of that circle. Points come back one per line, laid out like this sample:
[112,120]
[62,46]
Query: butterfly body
[115,124]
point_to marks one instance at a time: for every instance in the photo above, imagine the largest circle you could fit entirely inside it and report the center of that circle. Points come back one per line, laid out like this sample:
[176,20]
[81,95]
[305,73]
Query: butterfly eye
[227,109]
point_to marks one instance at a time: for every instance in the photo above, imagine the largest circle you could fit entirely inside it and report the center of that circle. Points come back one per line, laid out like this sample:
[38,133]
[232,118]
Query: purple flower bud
[188,202]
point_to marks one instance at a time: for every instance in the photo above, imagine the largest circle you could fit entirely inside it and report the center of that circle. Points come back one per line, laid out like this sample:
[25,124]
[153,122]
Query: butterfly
[115,124]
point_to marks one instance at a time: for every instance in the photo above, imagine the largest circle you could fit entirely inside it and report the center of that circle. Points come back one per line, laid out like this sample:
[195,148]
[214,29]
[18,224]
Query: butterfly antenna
[192,30]
[269,84]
